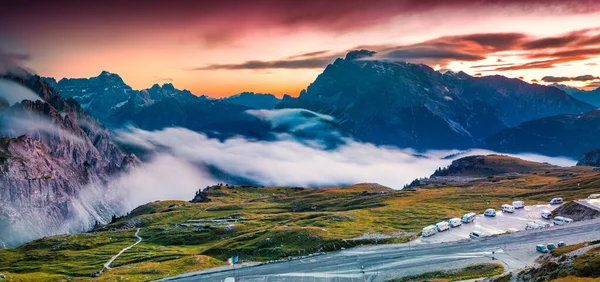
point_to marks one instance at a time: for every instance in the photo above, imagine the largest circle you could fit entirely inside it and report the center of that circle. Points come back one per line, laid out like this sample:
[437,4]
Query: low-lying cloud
[292,163]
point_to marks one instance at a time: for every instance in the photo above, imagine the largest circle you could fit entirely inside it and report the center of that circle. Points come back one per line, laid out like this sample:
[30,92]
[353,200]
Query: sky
[219,48]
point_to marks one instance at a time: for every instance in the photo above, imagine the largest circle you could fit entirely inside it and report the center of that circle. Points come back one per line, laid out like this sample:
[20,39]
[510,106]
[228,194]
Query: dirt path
[109,262]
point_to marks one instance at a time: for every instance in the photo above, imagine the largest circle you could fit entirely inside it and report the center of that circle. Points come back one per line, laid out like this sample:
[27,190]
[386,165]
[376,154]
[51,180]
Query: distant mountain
[105,94]
[253,100]
[215,118]
[412,105]
[51,153]
[591,97]
[591,158]
[561,135]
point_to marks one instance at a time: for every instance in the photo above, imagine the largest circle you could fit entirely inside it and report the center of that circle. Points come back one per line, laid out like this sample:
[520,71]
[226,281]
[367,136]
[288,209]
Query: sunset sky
[219,48]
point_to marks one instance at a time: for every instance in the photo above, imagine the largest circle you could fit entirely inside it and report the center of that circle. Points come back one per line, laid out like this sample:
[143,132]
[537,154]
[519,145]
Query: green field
[268,223]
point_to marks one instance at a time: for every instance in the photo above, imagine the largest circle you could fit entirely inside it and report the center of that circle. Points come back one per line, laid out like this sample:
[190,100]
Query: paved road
[384,262]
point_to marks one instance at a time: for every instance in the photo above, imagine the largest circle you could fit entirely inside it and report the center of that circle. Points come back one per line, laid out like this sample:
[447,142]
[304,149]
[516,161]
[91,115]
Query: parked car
[547,214]
[551,246]
[475,235]
[470,217]
[541,248]
[559,220]
[532,225]
[594,196]
[455,222]
[508,208]
[561,243]
[556,201]
[442,226]
[229,279]
[490,212]
[542,224]
[518,204]
[429,231]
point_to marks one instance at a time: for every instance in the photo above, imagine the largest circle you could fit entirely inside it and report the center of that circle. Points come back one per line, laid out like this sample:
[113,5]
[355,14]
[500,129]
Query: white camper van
[429,231]
[559,220]
[556,201]
[518,204]
[508,208]
[455,222]
[546,214]
[470,217]
[442,226]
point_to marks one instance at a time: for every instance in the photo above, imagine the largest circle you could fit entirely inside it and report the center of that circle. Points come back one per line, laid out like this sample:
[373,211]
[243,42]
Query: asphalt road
[384,262]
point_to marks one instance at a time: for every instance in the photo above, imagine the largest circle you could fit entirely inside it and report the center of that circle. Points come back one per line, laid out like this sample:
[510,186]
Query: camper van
[455,222]
[475,235]
[470,217]
[594,196]
[559,220]
[429,231]
[518,204]
[442,226]
[546,214]
[532,225]
[490,212]
[508,208]
[556,201]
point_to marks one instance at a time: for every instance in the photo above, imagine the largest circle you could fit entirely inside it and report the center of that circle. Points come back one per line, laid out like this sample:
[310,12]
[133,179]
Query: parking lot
[491,225]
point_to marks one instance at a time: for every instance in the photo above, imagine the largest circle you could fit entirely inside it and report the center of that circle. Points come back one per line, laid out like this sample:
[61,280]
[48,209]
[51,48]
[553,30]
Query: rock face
[201,197]
[412,105]
[591,158]
[562,135]
[254,100]
[55,160]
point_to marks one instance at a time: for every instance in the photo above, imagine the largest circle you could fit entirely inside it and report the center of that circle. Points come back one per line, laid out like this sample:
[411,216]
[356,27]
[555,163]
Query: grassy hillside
[266,223]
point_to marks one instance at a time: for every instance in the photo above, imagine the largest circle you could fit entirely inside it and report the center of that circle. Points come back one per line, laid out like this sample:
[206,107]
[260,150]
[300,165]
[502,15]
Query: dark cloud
[555,79]
[220,22]
[471,47]
[586,77]
[309,54]
[13,62]
[308,63]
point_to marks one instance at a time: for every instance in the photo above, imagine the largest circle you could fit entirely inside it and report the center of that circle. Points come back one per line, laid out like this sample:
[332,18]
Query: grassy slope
[469,272]
[280,222]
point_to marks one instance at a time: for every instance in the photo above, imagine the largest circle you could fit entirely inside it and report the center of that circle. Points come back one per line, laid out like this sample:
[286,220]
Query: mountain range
[381,102]
[56,155]
[412,105]
[53,157]
[589,96]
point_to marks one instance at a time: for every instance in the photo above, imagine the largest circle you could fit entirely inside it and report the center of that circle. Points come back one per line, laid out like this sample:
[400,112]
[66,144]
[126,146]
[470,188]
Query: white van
[556,201]
[490,212]
[442,226]
[546,214]
[559,220]
[475,235]
[518,204]
[594,196]
[455,222]
[470,217]
[429,231]
[508,208]
[532,225]
[542,224]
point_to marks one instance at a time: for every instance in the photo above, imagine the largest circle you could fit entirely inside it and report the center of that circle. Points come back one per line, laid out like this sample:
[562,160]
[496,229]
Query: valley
[270,223]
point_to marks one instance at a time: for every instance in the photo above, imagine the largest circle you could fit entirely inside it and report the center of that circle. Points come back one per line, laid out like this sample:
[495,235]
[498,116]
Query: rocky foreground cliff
[55,163]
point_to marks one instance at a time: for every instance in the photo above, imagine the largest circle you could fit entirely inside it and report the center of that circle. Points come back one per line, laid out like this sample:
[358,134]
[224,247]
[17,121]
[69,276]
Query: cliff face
[55,161]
